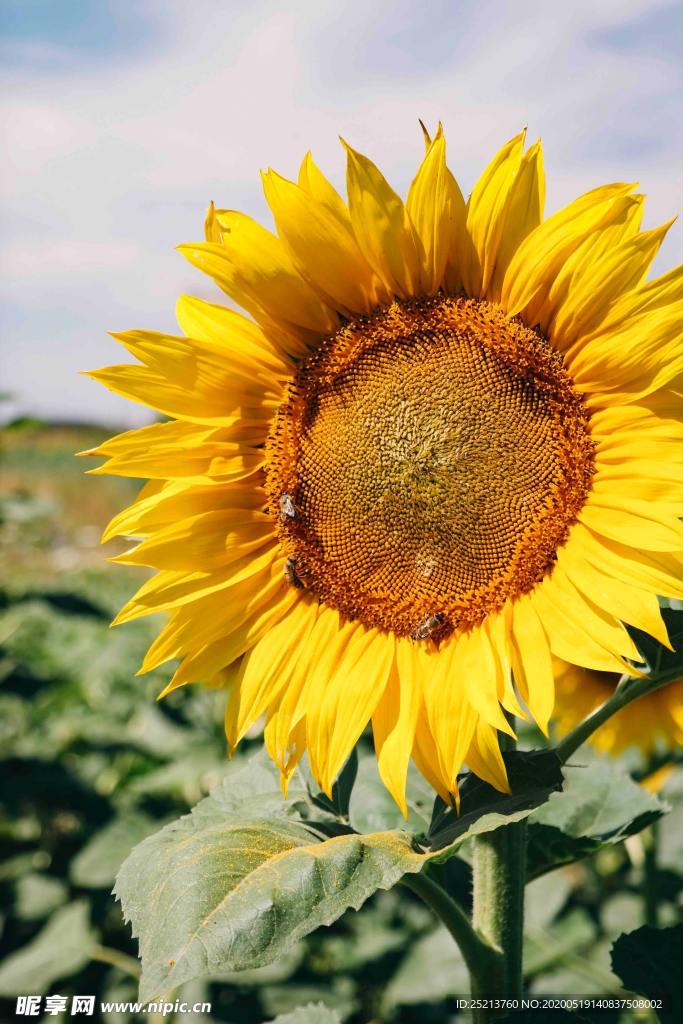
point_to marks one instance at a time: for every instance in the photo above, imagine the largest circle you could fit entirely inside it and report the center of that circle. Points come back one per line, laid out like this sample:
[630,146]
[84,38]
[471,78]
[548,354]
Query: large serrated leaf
[598,806]
[533,777]
[207,896]
[247,874]
[648,961]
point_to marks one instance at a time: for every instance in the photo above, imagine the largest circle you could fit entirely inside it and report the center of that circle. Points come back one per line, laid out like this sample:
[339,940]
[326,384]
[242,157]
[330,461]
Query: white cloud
[24,258]
[111,161]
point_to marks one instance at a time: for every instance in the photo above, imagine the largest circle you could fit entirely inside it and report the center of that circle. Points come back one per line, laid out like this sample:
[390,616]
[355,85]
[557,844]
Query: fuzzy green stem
[499,877]
[629,689]
[479,957]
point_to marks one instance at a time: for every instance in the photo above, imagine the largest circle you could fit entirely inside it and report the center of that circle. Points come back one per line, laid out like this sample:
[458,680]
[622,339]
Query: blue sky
[121,121]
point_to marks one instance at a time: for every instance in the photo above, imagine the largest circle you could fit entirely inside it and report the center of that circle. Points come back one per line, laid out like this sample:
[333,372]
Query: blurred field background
[91,765]
[120,122]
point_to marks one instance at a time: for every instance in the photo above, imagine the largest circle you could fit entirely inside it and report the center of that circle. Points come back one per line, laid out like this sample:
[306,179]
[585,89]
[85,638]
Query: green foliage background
[92,765]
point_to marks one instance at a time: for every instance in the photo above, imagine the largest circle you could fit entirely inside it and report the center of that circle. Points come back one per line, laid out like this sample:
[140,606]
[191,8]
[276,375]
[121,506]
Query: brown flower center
[426,464]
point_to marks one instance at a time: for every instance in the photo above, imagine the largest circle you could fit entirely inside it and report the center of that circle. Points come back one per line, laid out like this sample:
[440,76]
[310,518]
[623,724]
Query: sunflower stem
[126,964]
[478,955]
[499,877]
[629,689]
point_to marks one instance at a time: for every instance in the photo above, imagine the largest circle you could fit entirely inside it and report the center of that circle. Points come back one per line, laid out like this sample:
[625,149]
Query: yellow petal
[394,722]
[170,397]
[477,669]
[642,479]
[630,604]
[250,626]
[314,661]
[522,213]
[213,464]
[532,663]
[267,667]
[598,282]
[426,757]
[294,750]
[485,759]
[178,499]
[203,542]
[320,240]
[382,227]
[253,267]
[486,211]
[176,450]
[657,572]
[241,339]
[598,635]
[543,252]
[156,436]
[618,357]
[619,225]
[659,370]
[462,261]
[429,206]
[313,181]
[638,526]
[652,295]
[618,426]
[450,714]
[347,702]
[169,590]
[498,629]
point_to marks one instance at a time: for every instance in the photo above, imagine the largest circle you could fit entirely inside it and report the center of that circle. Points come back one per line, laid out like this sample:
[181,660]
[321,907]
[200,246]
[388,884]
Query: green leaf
[659,659]
[279,970]
[533,776]
[545,897]
[62,948]
[623,911]
[337,994]
[96,865]
[189,777]
[548,948]
[585,973]
[341,790]
[373,809]
[648,961]
[216,891]
[251,789]
[247,875]
[38,895]
[312,1013]
[221,896]
[432,970]
[366,937]
[598,806]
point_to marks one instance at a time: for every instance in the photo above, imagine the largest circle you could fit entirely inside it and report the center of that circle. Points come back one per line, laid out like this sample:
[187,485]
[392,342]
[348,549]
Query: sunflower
[653,721]
[437,451]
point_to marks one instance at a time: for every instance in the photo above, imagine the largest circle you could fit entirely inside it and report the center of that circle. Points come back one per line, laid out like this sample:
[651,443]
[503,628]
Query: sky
[121,121]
